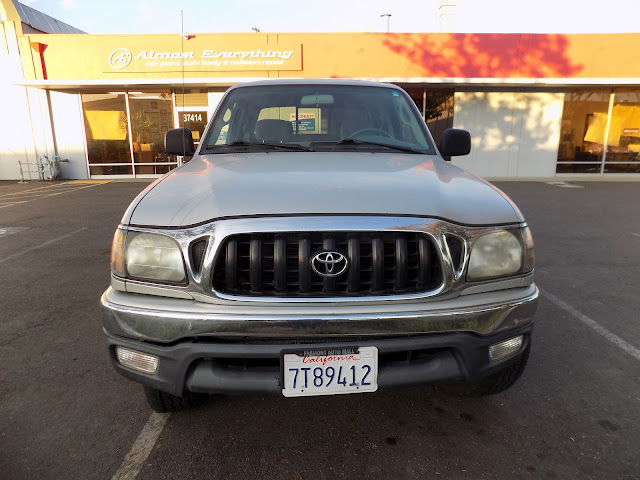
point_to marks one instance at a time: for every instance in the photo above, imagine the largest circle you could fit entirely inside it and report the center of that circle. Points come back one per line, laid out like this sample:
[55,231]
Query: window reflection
[584,121]
[623,149]
[587,131]
[417,95]
[151,117]
[105,120]
[439,112]
[108,123]
[436,107]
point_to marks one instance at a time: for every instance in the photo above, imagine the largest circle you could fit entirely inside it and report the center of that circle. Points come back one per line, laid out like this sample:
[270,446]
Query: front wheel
[495,383]
[163,402]
[505,378]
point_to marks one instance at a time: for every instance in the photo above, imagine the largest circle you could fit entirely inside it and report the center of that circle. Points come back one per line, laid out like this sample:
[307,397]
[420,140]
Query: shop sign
[120,58]
[207,59]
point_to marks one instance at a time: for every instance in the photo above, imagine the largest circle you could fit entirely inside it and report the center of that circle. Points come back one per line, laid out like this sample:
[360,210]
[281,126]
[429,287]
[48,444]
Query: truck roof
[315,81]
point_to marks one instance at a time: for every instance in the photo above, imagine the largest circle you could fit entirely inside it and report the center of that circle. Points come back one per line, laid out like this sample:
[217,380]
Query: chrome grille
[279,264]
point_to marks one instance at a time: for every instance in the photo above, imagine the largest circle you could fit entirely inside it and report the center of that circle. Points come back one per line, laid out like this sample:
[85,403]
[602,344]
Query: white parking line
[16,198]
[564,185]
[612,337]
[11,204]
[142,447]
[46,187]
[42,245]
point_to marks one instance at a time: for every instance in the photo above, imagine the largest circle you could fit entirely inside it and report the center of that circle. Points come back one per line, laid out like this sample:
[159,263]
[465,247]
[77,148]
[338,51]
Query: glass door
[125,133]
[151,116]
[106,127]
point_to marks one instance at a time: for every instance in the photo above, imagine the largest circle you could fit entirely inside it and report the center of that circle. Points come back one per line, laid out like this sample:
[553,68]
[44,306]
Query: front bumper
[225,349]
[166,320]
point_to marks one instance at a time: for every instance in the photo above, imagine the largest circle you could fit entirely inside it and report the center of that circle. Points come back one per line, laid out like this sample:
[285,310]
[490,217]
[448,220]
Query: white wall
[69,129]
[25,122]
[513,134]
[18,140]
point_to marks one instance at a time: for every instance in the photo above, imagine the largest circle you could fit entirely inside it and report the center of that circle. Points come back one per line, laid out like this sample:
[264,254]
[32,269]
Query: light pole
[388,15]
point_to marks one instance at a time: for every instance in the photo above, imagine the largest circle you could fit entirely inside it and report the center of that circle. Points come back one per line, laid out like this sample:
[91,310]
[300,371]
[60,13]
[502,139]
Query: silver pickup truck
[317,243]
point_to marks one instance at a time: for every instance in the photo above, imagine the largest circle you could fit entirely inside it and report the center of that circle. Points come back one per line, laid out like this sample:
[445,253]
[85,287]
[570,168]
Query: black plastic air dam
[207,375]
[199,366]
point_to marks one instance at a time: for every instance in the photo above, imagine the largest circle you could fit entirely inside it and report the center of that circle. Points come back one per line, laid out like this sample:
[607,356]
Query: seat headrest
[271,130]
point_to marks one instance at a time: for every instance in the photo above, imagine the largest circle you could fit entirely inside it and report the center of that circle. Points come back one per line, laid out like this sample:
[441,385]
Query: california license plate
[330,372]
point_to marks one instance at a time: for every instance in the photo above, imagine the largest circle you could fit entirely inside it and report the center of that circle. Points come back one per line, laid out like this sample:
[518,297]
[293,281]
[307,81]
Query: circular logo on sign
[120,58]
[329,264]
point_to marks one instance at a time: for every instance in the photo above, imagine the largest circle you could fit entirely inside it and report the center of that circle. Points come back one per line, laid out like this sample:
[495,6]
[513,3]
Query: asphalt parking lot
[65,413]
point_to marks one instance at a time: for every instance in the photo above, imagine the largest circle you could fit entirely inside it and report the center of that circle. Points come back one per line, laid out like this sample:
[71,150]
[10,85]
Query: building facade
[538,106]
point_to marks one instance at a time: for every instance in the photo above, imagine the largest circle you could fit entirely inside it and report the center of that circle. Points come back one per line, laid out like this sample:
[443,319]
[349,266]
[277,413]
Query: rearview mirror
[179,141]
[317,99]
[455,142]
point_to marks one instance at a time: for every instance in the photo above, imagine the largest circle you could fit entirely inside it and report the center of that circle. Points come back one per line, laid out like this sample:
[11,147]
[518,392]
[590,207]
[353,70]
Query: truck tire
[496,383]
[163,402]
[502,380]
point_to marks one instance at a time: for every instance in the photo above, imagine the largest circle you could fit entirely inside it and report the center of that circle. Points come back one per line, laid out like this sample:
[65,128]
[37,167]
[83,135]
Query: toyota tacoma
[317,243]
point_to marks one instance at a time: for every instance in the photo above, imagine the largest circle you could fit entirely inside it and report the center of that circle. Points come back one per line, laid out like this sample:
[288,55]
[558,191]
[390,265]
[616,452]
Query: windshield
[317,118]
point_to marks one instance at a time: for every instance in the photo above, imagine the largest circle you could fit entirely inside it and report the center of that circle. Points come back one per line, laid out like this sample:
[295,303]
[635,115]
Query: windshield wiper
[277,146]
[355,141]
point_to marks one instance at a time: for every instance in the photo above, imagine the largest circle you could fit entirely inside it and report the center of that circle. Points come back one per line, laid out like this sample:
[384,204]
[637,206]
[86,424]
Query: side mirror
[455,142]
[179,141]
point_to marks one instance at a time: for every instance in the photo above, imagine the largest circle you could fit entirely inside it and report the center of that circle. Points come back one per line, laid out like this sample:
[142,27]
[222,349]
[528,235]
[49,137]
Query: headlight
[495,254]
[147,256]
[154,257]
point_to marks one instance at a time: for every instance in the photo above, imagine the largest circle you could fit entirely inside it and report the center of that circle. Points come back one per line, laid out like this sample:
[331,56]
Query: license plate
[330,372]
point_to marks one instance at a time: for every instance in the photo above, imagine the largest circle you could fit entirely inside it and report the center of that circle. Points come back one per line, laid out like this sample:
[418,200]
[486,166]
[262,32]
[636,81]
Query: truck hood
[293,183]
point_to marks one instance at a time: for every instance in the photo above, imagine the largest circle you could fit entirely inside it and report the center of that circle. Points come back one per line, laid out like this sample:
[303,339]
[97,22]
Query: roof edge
[230,81]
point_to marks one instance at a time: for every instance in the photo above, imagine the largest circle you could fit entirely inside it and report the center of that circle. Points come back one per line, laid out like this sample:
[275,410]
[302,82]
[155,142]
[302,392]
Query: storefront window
[192,110]
[151,117]
[436,107]
[438,112]
[194,120]
[583,130]
[623,146]
[417,95]
[127,137]
[105,118]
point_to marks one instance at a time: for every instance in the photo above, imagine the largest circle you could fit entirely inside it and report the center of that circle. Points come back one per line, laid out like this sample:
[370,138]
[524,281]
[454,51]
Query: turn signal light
[137,360]
[500,350]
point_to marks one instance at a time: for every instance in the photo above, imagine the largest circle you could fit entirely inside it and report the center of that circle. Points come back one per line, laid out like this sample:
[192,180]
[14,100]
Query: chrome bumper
[165,320]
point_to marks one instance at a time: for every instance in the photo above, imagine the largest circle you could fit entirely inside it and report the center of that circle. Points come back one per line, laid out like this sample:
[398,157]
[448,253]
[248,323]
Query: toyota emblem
[329,264]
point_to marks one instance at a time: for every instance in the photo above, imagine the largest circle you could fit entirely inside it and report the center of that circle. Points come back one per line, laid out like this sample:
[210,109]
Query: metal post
[130,130]
[84,136]
[605,144]
[21,172]
[53,125]
[41,168]
[388,15]
[424,104]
